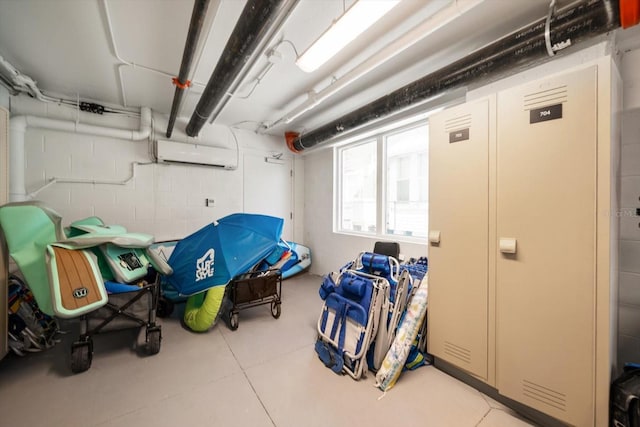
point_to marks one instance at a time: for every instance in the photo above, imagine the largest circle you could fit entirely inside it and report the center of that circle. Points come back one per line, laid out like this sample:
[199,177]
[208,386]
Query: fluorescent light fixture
[360,16]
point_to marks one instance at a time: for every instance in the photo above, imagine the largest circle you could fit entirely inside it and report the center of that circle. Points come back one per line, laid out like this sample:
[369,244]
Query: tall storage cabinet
[546,203]
[459,236]
[538,214]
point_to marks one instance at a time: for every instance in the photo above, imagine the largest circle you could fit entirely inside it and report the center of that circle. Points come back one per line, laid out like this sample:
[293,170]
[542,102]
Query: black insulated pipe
[255,21]
[568,27]
[197,18]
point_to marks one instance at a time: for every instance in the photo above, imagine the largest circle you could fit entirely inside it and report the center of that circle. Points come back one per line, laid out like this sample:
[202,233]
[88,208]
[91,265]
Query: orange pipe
[289,138]
[629,13]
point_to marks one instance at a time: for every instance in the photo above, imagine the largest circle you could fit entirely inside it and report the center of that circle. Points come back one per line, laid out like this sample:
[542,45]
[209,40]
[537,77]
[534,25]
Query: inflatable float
[295,259]
[203,310]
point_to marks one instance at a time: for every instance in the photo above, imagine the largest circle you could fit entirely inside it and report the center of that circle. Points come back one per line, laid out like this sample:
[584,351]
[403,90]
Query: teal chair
[64,275]
[28,228]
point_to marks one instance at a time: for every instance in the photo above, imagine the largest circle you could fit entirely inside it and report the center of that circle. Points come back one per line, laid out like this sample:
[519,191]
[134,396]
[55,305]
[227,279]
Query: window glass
[407,182]
[358,192]
[401,204]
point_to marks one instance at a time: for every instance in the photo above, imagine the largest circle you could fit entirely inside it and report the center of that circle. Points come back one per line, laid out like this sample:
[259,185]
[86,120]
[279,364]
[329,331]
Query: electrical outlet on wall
[209,202]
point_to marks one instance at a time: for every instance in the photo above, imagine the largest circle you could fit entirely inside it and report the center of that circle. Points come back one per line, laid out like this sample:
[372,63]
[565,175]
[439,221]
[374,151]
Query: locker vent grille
[546,97]
[544,395]
[457,351]
[456,123]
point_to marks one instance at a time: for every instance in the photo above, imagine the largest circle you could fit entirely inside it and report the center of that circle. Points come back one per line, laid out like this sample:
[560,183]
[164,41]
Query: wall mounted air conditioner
[192,154]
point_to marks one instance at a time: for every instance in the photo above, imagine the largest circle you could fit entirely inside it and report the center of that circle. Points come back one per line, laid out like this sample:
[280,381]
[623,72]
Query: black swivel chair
[387,248]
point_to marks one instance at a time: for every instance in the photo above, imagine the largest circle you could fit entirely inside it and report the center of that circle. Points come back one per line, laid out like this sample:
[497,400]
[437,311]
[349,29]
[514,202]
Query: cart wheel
[275,309]
[233,321]
[154,337]
[165,307]
[81,356]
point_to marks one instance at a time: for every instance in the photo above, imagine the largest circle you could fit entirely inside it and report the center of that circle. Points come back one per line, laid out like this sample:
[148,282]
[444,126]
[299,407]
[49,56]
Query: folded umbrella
[216,253]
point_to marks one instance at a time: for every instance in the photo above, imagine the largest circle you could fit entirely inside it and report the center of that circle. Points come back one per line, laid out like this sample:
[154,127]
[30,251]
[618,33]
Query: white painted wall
[629,295]
[167,201]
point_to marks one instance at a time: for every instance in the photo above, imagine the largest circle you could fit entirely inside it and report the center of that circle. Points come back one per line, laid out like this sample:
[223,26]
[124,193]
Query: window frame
[338,181]
[380,139]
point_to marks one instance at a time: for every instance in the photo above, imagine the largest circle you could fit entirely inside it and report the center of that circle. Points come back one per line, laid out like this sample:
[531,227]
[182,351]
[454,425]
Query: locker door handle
[508,245]
[434,237]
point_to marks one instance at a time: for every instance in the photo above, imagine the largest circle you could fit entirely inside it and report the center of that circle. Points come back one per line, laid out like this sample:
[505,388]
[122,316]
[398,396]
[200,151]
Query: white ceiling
[67,47]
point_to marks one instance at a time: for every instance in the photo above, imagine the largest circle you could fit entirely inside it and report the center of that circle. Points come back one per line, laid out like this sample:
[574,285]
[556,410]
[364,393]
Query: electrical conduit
[18,126]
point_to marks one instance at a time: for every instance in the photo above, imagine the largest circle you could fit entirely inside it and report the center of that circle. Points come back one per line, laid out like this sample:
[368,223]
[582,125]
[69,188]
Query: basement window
[382,185]
[358,189]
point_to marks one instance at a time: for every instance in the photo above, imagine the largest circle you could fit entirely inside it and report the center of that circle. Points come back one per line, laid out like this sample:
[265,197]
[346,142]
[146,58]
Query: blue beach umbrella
[216,253]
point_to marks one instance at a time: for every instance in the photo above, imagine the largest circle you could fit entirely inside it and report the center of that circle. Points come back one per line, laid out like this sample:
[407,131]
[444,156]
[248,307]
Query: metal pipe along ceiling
[514,51]
[197,18]
[387,53]
[253,29]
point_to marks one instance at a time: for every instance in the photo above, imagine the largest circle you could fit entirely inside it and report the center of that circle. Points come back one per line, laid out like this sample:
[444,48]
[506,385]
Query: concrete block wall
[629,291]
[167,201]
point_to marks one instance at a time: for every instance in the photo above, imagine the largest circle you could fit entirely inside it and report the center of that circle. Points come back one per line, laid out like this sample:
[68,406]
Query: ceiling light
[360,16]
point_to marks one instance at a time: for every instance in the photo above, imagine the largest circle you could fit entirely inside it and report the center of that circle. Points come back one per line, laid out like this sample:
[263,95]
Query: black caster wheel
[275,309]
[81,356]
[165,307]
[233,321]
[154,338]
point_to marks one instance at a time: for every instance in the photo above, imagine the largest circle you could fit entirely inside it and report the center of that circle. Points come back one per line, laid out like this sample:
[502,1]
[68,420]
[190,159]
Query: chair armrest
[159,263]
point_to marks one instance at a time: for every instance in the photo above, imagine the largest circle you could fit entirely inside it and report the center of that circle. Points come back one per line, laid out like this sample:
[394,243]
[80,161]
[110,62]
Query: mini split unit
[192,154]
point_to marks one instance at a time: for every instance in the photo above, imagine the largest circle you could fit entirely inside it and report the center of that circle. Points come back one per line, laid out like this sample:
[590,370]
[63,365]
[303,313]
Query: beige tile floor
[263,374]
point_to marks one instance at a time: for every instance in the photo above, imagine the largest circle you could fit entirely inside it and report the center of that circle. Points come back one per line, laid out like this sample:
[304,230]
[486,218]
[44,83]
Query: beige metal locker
[459,240]
[546,231]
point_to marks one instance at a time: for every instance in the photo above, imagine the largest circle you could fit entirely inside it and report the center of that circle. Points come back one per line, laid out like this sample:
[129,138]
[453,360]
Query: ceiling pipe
[19,81]
[18,126]
[629,13]
[8,85]
[268,37]
[126,63]
[257,25]
[182,82]
[390,51]
[521,48]
[73,127]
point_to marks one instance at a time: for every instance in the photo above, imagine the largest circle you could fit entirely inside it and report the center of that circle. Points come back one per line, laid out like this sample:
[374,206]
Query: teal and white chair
[78,274]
